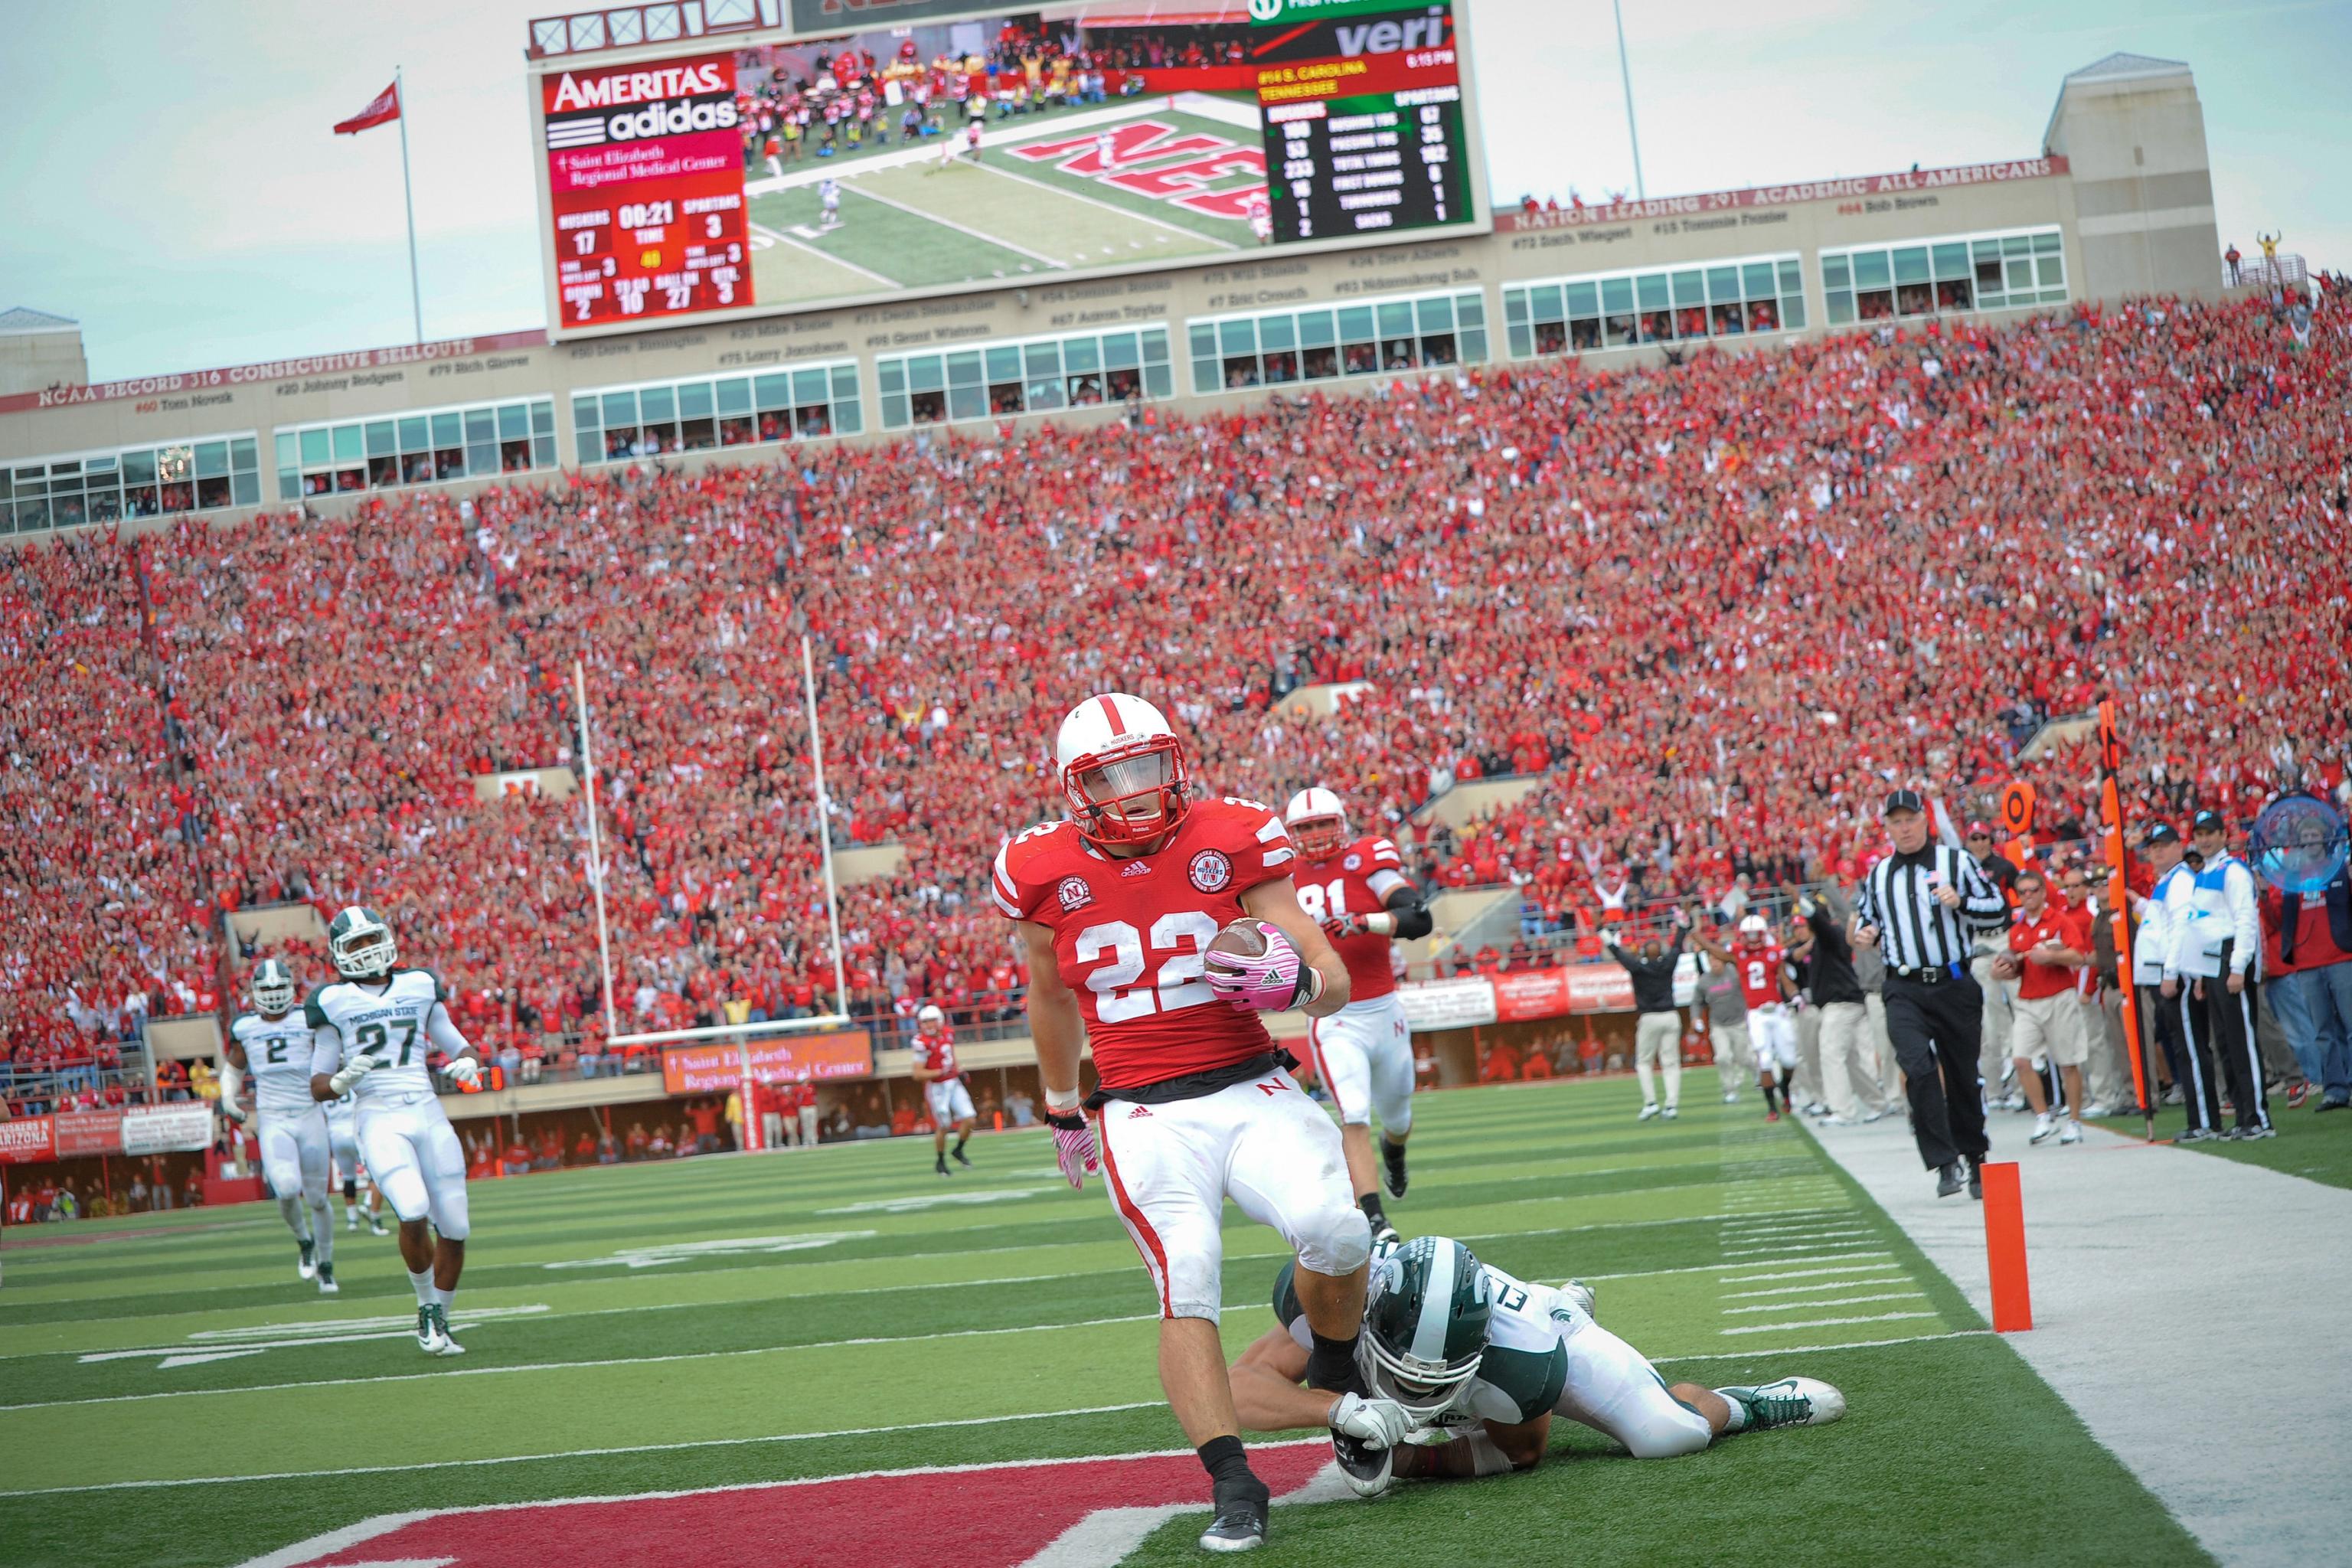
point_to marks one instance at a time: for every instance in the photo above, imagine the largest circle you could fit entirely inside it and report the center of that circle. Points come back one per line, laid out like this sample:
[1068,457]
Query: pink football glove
[1274,980]
[1074,1145]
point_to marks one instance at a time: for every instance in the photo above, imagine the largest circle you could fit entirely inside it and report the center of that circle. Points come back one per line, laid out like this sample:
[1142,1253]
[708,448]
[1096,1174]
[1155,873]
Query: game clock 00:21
[1362,102]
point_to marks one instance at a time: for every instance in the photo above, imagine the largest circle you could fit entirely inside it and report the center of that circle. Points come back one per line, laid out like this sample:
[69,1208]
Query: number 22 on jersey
[1176,983]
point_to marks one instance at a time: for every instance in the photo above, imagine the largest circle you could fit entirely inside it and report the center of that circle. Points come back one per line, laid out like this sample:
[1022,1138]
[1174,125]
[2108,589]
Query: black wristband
[1069,1122]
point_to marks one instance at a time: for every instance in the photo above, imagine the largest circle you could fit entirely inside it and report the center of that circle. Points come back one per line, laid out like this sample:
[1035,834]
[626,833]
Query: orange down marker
[2004,1217]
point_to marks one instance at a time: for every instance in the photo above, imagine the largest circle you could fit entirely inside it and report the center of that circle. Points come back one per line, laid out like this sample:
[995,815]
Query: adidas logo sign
[1138,1111]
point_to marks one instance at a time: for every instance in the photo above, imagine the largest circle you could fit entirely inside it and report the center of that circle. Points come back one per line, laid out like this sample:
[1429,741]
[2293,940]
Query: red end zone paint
[986,1516]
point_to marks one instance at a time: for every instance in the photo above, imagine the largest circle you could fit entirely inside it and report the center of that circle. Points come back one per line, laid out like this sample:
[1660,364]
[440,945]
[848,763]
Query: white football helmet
[1754,930]
[273,987]
[1122,770]
[1318,823]
[360,941]
[928,1016]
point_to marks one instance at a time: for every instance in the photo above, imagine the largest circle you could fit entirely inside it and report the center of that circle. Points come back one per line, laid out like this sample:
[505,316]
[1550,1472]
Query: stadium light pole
[823,829]
[1624,73]
[408,200]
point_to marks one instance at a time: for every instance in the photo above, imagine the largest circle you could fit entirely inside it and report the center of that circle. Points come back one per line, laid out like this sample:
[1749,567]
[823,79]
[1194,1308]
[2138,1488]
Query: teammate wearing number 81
[370,1033]
[1357,892]
[1117,907]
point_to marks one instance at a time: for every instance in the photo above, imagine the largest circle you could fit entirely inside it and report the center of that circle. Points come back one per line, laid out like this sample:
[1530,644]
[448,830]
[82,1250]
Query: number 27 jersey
[350,1020]
[1129,934]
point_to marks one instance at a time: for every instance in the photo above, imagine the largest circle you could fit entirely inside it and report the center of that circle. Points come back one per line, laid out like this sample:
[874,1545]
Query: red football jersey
[1759,972]
[1128,936]
[936,1053]
[1355,880]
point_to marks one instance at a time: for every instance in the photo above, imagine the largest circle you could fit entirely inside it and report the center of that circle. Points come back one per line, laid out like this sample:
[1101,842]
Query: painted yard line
[586,1365]
[595,1453]
[1826,1249]
[873,1431]
[998,240]
[1005,174]
[1833,1301]
[1822,1322]
[1845,1284]
[783,238]
[1793,1235]
[1880,1260]
[1710,1268]
[1807,1350]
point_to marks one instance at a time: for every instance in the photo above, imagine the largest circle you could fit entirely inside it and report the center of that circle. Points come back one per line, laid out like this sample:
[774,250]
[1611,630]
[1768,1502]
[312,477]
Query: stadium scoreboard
[1321,125]
[1361,102]
[645,181]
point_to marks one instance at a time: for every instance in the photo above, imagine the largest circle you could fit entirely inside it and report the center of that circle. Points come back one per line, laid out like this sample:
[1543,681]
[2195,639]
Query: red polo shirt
[2063,926]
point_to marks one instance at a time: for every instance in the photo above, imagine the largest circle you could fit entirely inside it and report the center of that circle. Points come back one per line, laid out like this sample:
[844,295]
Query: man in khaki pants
[2047,947]
[1657,1026]
[1726,1007]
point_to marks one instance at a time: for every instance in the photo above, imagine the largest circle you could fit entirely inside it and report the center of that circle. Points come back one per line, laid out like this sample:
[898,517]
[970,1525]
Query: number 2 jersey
[397,1023]
[277,1060]
[1760,974]
[1129,934]
[1355,880]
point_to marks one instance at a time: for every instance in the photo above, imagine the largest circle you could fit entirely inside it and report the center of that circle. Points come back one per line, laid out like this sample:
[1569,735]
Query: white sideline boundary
[2223,1387]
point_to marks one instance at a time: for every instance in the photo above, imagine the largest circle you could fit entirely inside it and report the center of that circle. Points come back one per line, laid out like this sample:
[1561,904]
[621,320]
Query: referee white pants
[416,1162]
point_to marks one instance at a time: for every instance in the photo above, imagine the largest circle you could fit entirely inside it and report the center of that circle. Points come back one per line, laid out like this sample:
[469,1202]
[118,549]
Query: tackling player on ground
[272,1044]
[1357,892]
[943,1085]
[371,1031]
[1118,906]
[1453,1345]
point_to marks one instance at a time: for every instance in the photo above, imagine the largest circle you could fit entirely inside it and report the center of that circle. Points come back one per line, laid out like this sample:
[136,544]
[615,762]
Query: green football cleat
[1791,1401]
[448,1345]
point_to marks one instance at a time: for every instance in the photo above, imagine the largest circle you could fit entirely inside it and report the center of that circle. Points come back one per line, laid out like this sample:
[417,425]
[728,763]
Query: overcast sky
[171,183]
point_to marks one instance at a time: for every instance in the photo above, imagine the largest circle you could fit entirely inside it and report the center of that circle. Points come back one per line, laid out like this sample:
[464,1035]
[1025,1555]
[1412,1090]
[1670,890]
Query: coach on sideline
[1921,907]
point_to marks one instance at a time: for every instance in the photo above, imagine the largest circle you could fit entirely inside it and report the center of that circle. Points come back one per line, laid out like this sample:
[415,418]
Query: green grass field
[2318,1148]
[173,1394]
[916,225]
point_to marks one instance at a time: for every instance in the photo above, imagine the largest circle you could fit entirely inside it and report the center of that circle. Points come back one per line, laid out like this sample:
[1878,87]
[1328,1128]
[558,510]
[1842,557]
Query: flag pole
[408,199]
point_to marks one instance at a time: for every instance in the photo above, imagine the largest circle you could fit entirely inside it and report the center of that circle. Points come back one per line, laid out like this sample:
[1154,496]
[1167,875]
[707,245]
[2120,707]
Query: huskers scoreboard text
[645,182]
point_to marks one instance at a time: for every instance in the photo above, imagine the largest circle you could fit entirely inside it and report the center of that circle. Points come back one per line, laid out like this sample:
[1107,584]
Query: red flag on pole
[383,110]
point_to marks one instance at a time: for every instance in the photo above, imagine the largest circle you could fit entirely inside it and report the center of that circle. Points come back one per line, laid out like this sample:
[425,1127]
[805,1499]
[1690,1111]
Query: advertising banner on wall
[716,1067]
[167,1128]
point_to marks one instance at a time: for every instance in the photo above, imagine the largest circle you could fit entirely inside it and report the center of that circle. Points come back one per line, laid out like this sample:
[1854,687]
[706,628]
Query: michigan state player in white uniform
[371,1031]
[1452,1346]
[344,1144]
[271,1045]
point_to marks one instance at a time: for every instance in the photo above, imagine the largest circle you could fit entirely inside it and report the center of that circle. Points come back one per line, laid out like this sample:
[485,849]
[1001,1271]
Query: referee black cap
[1902,800]
[2161,833]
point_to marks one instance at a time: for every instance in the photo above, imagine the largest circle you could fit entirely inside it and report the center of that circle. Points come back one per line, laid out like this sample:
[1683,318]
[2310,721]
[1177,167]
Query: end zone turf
[635,1330]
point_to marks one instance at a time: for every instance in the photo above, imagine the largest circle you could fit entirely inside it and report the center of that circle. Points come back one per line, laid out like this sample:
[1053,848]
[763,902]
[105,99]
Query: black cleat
[1976,1178]
[940,1164]
[957,1153]
[1949,1181]
[1240,1521]
[1392,1175]
[1385,1234]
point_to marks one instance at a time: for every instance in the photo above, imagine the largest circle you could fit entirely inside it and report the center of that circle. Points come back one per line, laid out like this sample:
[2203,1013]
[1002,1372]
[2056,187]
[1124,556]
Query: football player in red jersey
[1117,906]
[943,1085]
[1358,891]
[1761,963]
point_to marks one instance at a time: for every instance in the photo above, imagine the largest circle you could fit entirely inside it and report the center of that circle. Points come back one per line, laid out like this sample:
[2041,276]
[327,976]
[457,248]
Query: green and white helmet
[1425,1316]
[273,987]
[361,943]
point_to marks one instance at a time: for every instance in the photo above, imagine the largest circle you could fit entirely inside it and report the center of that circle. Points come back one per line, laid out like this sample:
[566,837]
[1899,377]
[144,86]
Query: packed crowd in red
[1722,604]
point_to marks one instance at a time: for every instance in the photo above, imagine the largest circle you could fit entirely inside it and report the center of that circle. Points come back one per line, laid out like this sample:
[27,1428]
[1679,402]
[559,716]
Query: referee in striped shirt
[1921,907]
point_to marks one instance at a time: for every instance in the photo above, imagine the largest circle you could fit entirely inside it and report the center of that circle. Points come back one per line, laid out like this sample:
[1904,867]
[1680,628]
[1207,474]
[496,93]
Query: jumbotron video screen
[1008,148]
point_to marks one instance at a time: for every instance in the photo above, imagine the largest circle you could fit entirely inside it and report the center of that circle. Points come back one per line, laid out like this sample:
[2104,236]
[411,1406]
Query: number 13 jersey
[390,1023]
[1128,936]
